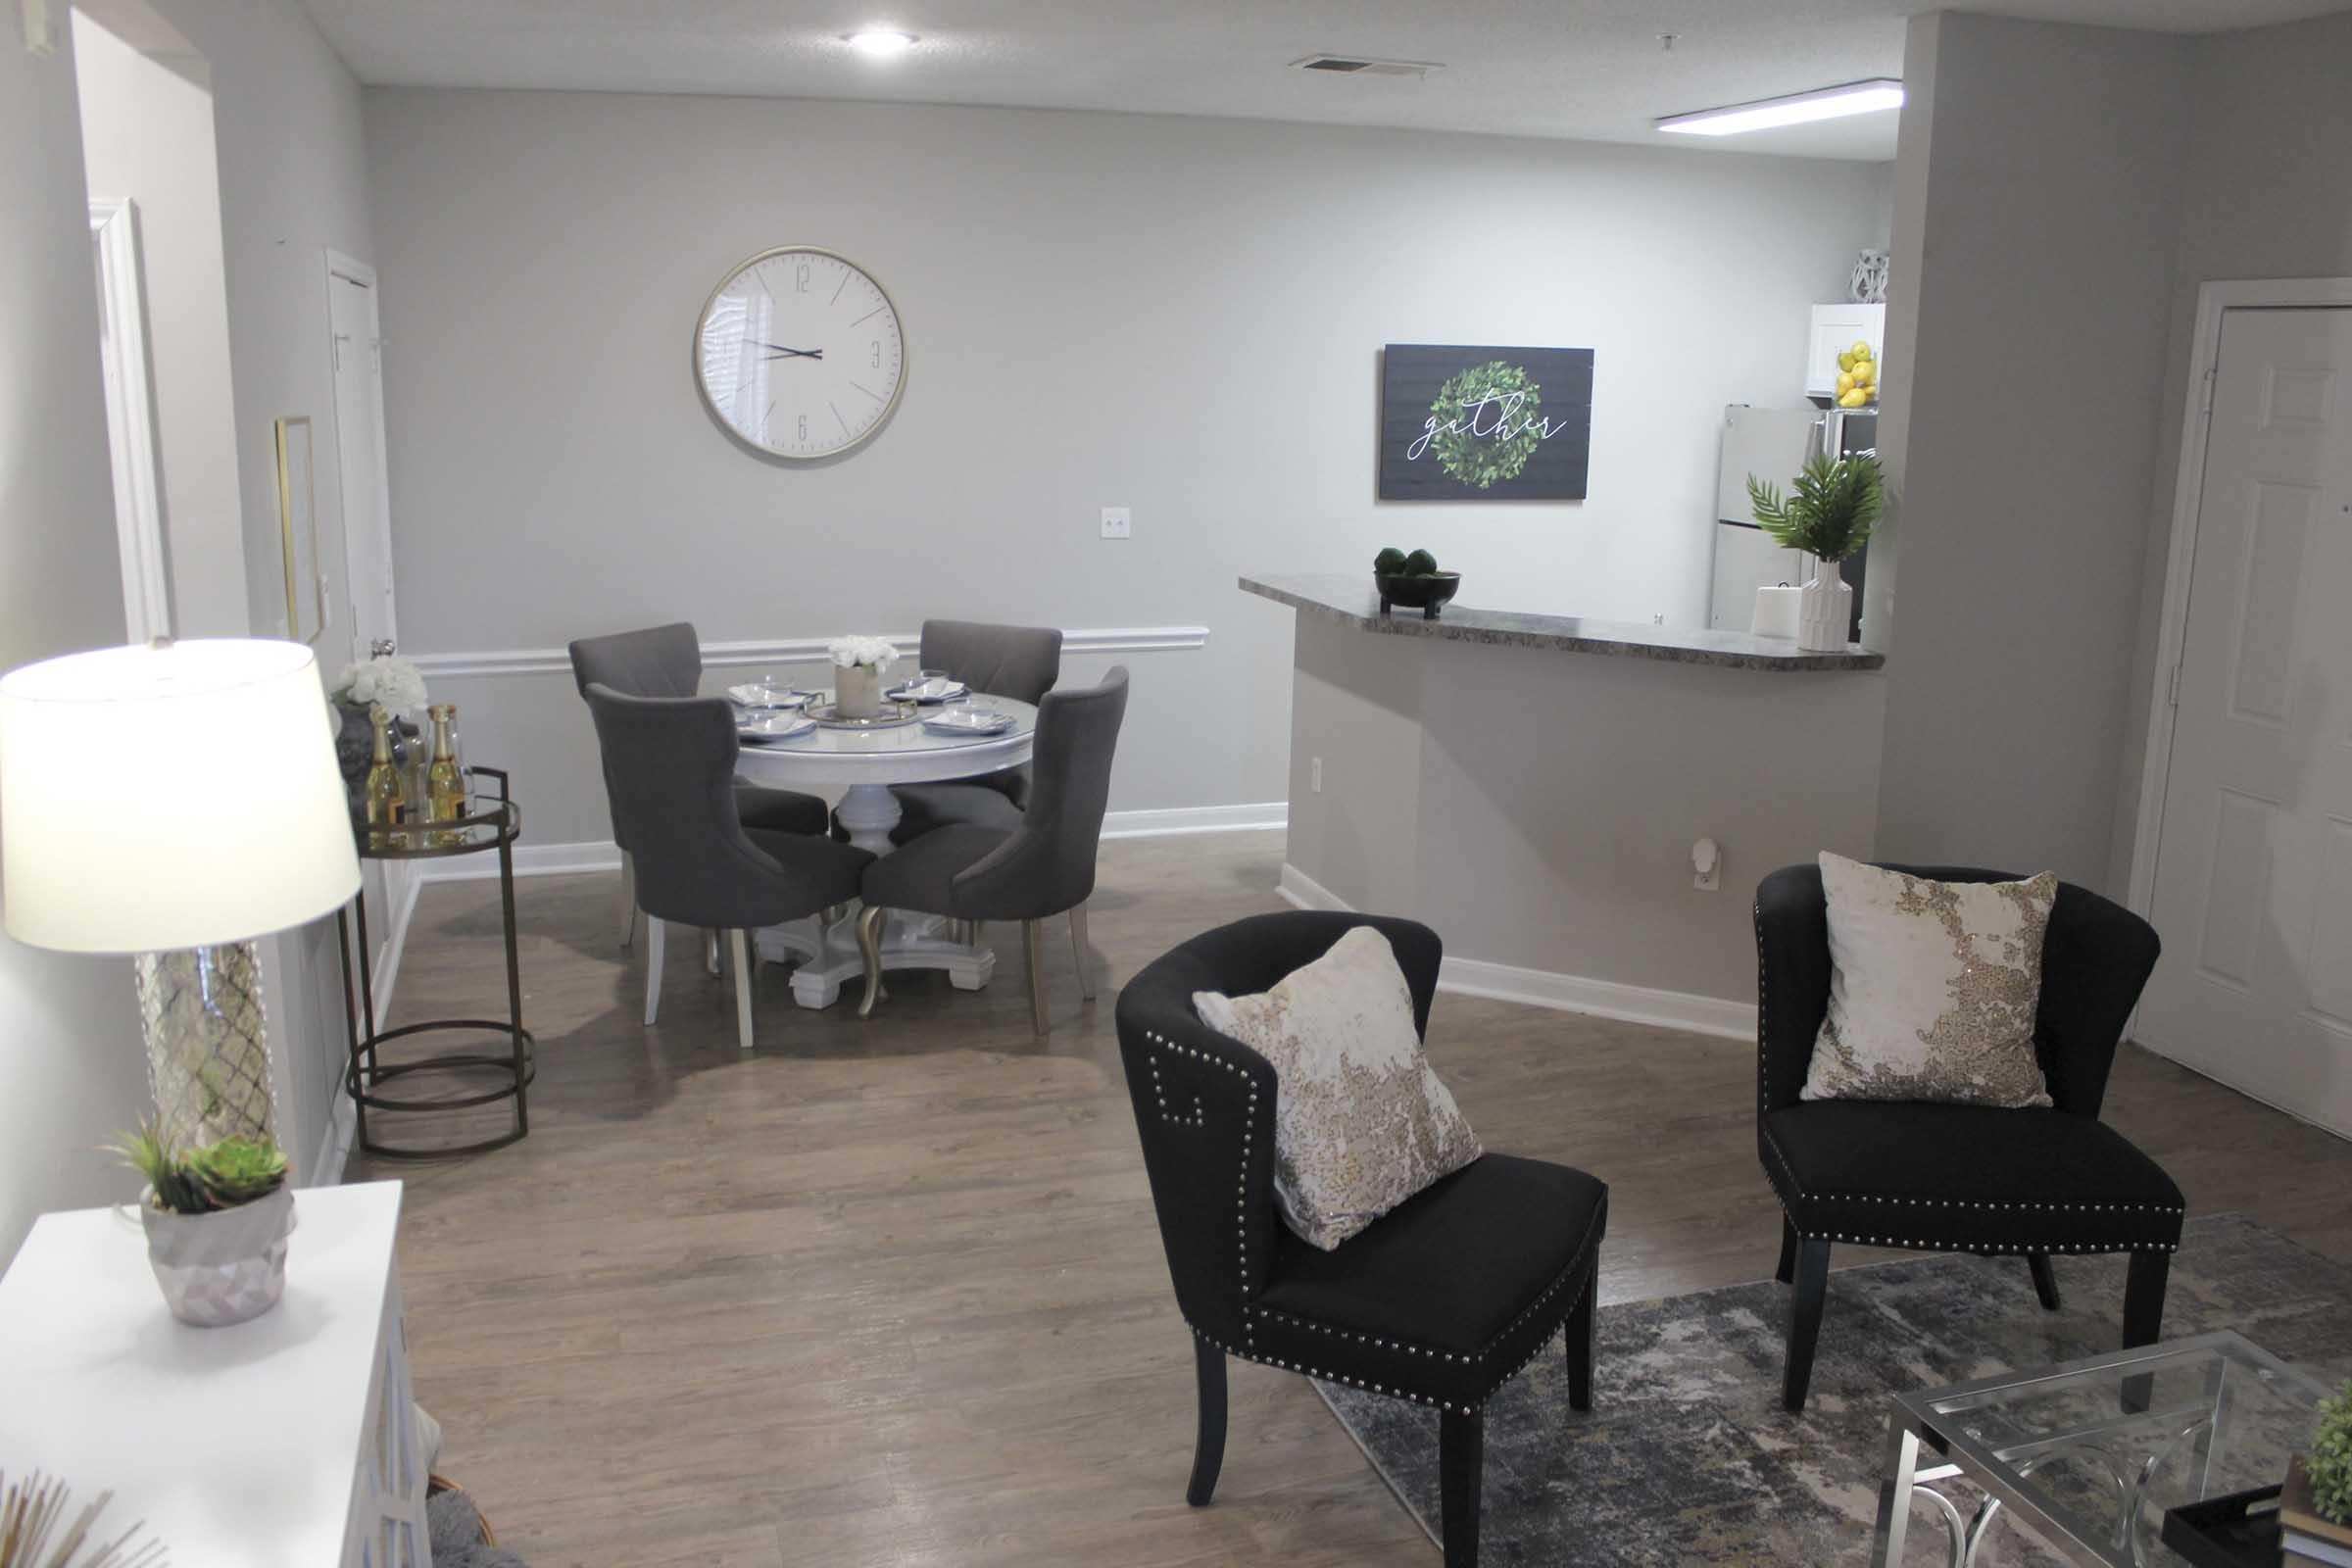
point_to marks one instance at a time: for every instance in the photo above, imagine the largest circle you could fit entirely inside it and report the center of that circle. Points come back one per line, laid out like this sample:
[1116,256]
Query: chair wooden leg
[1461,1466]
[2045,1280]
[869,948]
[1086,974]
[1786,1272]
[711,951]
[1208,1445]
[1580,1344]
[1804,1318]
[2143,1316]
[628,898]
[654,930]
[739,953]
[1033,946]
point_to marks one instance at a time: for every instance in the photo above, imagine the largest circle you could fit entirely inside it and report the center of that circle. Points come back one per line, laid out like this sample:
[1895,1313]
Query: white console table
[289,1442]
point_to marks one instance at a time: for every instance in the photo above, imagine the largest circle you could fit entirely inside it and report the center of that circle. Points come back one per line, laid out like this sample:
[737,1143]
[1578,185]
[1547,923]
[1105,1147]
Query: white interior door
[2253,884]
[131,438]
[359,358]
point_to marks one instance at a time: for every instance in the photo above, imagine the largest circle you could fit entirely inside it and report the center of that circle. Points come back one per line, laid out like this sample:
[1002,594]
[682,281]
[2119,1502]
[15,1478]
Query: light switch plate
[1117,522]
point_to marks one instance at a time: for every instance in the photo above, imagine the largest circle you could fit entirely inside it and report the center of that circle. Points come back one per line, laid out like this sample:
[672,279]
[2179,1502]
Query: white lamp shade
[181,795]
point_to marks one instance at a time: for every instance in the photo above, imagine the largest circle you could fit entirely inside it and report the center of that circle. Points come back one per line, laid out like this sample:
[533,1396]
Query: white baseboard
[563,859]
[1565,993]
[1260,816]
[335,1143]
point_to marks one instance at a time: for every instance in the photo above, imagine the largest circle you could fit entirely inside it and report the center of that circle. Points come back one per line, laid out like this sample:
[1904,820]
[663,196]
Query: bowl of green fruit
[1413,581]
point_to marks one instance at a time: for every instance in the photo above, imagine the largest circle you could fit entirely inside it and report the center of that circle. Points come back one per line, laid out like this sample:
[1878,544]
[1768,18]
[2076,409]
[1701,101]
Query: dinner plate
[927,694]
[968,722]
[774,727]
[760,695]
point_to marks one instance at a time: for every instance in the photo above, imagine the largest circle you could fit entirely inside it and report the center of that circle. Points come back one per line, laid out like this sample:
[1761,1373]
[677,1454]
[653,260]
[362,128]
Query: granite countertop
[1354,602]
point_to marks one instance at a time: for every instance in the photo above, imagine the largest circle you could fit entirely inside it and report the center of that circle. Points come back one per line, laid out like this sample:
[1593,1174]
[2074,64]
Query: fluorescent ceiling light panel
[881,43]
[1796,109]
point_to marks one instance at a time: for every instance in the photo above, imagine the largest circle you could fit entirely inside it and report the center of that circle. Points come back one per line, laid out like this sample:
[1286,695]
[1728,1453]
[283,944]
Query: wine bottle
[387,801]
[446,781]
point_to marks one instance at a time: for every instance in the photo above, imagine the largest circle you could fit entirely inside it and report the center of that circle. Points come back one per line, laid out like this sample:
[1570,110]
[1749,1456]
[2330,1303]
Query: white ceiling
[1589,68]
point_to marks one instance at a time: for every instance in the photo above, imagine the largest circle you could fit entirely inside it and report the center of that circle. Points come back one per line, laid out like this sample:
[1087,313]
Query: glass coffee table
[2088,1454]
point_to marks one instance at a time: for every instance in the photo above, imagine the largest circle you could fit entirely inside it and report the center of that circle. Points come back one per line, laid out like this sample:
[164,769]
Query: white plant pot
[223,1267]
[857,691]
[1825,607]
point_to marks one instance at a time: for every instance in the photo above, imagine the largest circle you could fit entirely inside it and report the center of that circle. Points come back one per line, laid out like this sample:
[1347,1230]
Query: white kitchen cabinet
[1837,328]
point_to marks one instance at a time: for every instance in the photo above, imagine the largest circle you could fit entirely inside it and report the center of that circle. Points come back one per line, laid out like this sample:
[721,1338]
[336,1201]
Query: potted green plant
[2318,1503]
[1828,515]
[216,1222]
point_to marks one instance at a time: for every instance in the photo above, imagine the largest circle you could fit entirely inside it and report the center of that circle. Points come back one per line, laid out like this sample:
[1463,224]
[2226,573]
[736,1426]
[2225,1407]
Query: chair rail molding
[797,650]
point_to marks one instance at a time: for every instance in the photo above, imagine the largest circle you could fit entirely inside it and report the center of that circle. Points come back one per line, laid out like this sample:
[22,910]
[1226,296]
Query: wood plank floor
[890,1292]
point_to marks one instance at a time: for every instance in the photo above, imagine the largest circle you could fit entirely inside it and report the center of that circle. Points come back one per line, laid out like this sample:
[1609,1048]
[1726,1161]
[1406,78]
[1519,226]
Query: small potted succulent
[217,1221]
[858,666]
[1412,580]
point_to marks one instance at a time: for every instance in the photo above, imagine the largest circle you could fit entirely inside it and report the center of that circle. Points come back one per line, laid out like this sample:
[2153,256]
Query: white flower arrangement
[394,682]
[878,653]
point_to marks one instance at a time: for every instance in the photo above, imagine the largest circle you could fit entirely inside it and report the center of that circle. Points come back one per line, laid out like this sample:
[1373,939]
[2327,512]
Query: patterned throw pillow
[1933,988]
[1361,1121]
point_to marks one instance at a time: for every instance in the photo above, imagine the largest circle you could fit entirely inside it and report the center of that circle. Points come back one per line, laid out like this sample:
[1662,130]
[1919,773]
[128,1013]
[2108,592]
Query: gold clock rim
[694,349]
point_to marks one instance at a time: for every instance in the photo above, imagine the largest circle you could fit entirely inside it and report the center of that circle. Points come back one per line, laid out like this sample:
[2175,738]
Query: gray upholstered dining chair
[671,765]
[1017,661]
[667,662]
[1042,867]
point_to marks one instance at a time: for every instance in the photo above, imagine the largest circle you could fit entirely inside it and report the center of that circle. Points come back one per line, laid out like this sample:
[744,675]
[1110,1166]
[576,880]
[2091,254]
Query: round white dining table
[863,763]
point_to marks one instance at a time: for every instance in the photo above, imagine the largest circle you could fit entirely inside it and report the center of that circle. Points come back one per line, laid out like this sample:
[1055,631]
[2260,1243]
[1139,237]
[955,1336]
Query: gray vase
[223,1267]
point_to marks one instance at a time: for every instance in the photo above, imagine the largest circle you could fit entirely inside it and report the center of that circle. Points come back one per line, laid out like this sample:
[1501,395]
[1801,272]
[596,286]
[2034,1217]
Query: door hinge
[2205,406]
[2172,695]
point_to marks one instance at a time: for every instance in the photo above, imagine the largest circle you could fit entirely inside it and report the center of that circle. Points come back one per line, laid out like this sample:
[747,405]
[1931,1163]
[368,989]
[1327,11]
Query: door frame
[352,269]
[131,422]
[2214,301]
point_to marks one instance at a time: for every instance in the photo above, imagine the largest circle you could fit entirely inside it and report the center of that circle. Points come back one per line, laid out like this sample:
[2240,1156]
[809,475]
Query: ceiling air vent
[1350,65]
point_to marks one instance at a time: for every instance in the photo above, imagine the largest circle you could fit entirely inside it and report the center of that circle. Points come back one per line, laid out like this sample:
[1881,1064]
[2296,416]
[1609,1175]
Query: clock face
[799,353]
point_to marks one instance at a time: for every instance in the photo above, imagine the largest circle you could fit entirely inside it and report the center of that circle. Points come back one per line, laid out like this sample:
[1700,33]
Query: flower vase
[1825,609]
[857,691]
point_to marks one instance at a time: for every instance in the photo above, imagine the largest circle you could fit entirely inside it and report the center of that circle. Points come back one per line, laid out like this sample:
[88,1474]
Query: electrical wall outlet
[1314,775]
[1117,522]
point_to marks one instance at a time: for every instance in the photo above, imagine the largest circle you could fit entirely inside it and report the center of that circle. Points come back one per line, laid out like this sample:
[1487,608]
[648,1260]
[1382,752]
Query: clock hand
[783,353]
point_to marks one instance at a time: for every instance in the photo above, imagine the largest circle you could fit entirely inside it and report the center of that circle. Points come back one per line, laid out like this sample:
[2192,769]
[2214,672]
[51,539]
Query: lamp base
[208,1047]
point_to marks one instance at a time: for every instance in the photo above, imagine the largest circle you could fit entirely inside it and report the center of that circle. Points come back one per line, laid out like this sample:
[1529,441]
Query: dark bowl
[1424,593]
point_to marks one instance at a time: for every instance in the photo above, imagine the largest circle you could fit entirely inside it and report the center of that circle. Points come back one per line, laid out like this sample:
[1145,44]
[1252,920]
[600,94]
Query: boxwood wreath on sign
[1482,463]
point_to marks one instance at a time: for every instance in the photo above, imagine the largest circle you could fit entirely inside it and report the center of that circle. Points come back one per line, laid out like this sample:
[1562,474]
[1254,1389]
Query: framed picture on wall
[1462,422]
[298,530]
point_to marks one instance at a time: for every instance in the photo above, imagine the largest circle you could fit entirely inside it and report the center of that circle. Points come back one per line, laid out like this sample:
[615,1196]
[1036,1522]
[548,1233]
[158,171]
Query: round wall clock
[799,353]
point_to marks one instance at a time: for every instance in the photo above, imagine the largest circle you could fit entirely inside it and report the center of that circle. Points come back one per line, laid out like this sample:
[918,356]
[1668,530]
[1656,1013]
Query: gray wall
[2267,193]
[1180,316]
[69,1027]
[2036,224]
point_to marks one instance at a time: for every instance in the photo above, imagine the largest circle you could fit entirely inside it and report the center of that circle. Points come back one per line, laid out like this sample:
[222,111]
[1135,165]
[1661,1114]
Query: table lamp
[175,801]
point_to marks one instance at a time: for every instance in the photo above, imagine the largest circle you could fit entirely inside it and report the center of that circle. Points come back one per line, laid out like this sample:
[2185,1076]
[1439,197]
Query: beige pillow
[1361,1121]
[1933,988]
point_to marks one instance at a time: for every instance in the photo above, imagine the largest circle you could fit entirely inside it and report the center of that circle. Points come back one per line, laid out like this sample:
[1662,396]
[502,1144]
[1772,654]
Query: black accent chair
[1959,1178]
[1040,867]
[667,662]
[671,765]
[1441,1302]
[1019,661]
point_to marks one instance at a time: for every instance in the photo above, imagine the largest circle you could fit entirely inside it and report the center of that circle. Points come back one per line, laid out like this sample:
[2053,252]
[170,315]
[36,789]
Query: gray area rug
[1688,1457]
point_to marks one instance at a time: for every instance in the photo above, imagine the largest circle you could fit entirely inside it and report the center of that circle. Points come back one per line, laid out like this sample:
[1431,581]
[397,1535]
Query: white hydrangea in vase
[396,683]
[858,666]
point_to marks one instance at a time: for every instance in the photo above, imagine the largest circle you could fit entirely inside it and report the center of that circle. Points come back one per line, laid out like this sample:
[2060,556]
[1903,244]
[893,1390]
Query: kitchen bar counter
[1353,600]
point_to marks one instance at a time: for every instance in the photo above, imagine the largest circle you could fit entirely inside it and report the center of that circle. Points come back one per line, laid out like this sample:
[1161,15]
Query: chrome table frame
[1914,1423]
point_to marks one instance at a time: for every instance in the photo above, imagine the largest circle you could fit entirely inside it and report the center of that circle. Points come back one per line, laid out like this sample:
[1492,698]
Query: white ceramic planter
[223,1267]
[857,691]
[1825,607]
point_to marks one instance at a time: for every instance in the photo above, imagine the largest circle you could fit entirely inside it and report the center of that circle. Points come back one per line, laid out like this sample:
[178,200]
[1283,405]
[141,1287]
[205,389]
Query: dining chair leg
[654,931]
[1086,975]
[711,951]
[739,954]
[2045,1280]
[1579,1343]
[1033,947]
[628,898]
[1461,1467]
[1209,1444]
[869,948]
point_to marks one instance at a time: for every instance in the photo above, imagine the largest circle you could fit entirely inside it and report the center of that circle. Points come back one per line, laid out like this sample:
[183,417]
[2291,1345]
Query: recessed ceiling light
[1795,109]
[880,43]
